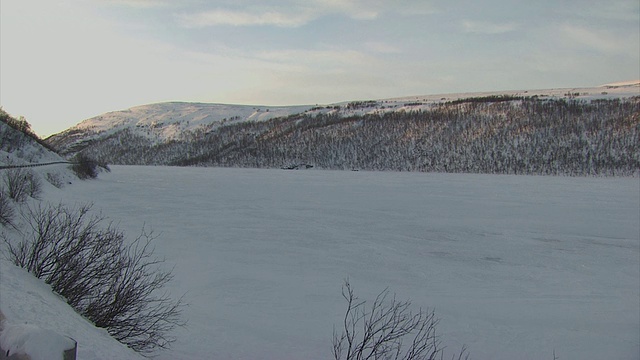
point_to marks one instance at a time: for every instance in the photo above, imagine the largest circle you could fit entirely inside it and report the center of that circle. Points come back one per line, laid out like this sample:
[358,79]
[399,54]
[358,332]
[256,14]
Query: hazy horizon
[66,61]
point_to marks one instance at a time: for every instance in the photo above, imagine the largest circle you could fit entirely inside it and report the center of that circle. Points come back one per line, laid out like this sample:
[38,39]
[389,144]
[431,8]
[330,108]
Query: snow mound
[34,313]
[36,343]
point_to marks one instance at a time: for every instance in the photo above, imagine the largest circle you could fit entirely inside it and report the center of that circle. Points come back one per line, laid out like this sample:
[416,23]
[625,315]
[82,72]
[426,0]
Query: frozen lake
[515,267]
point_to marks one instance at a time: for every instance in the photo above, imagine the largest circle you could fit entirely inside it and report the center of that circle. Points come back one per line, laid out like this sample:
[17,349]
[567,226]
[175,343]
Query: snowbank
[40,323]
[34,342]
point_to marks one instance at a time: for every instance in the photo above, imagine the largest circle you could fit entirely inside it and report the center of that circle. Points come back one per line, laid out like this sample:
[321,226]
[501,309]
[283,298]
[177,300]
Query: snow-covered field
[515,267]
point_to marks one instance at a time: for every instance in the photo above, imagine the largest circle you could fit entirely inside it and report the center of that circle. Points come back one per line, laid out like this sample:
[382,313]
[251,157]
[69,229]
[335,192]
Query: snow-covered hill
[607,91]
[16,148]
[163,122]
[168,120]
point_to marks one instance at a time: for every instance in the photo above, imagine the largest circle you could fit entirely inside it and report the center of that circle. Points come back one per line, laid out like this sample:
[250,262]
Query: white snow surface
[38,343]
[515,267]
[33,153]
[166,121]
[39,322]
[29,153]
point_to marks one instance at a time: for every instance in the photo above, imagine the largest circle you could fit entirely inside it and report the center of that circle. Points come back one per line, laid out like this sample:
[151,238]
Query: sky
[63,61]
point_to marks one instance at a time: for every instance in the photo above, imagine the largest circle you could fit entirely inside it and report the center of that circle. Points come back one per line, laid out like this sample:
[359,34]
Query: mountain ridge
[266,112]
[412,133]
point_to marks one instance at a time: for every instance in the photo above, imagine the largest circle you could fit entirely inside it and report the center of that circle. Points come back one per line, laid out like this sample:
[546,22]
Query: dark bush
[21,183]
[84,167]
[115,284]
[34,185]
[55,180]
[6,209]
[389,330]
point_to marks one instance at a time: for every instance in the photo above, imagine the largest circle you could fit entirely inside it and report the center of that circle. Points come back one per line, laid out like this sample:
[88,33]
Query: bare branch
[384,329]
[118,286]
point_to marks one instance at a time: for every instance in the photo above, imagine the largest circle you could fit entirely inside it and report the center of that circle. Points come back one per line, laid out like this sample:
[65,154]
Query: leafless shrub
[16,184]
[34,185]
[21,183]
[116,285]
[389,330]
[55,180]
[144,317]
[6,209]
[86,167]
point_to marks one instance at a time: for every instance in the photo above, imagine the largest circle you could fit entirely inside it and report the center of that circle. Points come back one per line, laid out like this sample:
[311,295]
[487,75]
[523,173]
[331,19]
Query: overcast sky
[63,61]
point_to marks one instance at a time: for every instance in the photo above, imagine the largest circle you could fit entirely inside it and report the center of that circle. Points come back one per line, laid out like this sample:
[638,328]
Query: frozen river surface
[515,267]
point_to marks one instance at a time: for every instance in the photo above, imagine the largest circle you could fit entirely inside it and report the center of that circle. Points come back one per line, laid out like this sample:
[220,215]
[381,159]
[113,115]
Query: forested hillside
[498,135]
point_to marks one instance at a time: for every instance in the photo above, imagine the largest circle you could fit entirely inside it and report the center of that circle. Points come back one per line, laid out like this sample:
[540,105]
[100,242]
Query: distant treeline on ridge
[489,135]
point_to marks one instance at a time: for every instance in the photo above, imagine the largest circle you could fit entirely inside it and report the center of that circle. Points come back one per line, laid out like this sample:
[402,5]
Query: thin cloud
[243,18]
[313,59]
[143,4]
[490,28]
[600,41]
[355,9]
[599,11]
[381,47]
[281,15]
[415,8]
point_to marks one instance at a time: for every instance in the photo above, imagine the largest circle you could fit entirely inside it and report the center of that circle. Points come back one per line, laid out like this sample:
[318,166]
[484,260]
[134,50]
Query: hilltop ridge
[571,131]
[168,119]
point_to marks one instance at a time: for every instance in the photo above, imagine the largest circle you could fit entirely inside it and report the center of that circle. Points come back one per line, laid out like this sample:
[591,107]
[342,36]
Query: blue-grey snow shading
[516,267]
[33,313]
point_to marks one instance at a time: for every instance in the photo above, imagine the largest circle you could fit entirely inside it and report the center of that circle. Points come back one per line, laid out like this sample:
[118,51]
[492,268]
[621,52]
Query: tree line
[484,135]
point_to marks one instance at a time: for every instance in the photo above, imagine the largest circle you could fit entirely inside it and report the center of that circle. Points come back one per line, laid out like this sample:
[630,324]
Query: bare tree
[84,167]
[21,183]
[144,317]
[55,180]
[389,330]
[6,209]
[115,284]
[34,185]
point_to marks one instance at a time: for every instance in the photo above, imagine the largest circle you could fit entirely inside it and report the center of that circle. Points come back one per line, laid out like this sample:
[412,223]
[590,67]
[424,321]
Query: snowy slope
[169,119]
[19,149]
[33,312]
[516,267]
[29,302]
[607,91]
[166,121]
[30,152]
